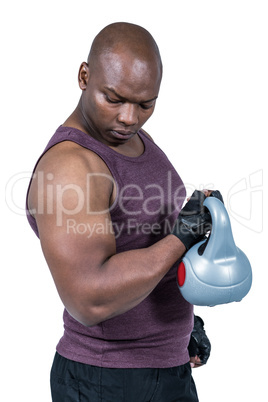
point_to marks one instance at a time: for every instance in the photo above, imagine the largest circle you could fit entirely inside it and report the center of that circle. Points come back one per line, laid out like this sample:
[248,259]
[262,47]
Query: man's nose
[129,114]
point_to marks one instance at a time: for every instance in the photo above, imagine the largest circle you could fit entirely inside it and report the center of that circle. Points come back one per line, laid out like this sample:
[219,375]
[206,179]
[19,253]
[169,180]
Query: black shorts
[77,382]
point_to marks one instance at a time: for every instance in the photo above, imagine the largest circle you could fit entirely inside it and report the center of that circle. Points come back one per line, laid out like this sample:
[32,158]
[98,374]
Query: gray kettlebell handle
[221,245]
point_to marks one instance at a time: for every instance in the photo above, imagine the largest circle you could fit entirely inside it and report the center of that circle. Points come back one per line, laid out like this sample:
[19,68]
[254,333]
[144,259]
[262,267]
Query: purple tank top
[155,333]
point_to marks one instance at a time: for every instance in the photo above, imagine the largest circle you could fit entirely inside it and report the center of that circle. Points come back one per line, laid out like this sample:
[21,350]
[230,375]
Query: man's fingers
[195,362]
[207,192]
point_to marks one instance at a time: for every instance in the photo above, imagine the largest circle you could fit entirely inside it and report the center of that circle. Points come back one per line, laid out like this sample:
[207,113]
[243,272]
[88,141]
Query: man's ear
[83,76]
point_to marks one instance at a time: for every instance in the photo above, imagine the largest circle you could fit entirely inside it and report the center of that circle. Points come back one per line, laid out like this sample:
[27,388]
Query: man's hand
[194,220]
[199,346]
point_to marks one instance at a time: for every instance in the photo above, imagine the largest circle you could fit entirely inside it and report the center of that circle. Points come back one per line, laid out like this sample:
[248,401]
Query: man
[104,200]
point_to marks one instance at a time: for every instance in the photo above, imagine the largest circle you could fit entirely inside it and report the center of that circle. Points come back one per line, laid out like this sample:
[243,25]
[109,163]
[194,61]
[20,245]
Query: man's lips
[124,135]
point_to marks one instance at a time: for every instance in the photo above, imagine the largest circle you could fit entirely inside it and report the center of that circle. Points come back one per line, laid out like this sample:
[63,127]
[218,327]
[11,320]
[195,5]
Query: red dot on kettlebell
[181,274]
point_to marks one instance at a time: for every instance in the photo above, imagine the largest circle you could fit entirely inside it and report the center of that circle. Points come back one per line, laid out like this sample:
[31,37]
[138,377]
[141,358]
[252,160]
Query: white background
[211,120]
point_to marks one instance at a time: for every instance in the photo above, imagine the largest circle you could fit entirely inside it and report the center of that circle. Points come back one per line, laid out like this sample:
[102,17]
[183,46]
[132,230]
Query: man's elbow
[88,317]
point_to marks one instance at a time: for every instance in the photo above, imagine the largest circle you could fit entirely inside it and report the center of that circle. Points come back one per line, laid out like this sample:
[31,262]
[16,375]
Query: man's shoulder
[67,167]
[68,156]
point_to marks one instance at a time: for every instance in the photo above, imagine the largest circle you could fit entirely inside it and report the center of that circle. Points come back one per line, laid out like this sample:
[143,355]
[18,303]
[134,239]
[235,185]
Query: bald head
[120,84]
[124,38]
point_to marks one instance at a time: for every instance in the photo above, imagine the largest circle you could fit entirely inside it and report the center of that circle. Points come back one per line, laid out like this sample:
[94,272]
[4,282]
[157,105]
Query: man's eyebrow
[124,99]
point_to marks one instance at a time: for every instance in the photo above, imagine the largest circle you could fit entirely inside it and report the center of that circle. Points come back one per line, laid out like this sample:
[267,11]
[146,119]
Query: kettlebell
[215,271]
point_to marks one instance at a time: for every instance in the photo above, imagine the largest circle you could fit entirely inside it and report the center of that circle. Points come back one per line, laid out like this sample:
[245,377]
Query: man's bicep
[75,253]
[75,231]
[78,247]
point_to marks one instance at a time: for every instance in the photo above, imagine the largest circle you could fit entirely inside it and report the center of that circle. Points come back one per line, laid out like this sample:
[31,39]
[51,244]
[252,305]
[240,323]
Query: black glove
[194,220]
[199,344]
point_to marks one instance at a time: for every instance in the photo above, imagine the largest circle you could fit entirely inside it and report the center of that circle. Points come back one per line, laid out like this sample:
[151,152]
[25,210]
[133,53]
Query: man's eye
[110,100]
[146,107]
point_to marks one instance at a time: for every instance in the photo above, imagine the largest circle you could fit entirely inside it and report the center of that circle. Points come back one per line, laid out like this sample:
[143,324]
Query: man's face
[120,97]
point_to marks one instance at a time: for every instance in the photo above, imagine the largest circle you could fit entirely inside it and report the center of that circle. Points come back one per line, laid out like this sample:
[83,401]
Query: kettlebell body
[215,271]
